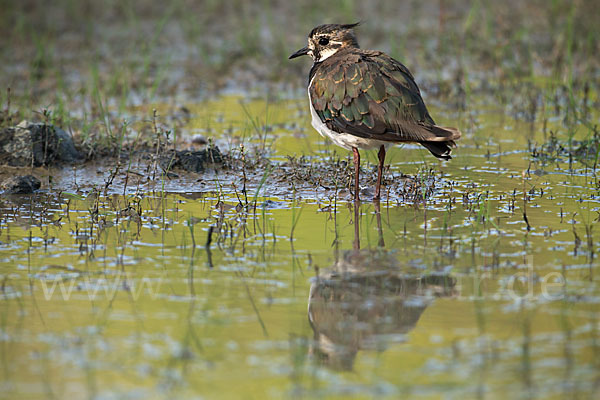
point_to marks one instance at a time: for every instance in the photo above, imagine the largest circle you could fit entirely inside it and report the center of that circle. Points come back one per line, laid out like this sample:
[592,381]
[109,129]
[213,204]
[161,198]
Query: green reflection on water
[147,311]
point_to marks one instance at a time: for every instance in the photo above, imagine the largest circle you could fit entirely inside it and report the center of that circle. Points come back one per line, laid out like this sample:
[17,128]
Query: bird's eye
[323,41]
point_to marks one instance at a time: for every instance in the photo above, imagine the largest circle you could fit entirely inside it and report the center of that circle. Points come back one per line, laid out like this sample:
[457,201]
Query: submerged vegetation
[203,243]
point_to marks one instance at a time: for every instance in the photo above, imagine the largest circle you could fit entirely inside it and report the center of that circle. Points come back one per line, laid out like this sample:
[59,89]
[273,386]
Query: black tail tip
[440,150]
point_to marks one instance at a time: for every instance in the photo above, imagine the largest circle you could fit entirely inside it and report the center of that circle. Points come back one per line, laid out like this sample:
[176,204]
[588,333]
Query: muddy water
[488,288]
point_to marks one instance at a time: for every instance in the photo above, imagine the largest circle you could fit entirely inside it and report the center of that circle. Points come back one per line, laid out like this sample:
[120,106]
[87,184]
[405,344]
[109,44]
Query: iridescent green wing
[371,95]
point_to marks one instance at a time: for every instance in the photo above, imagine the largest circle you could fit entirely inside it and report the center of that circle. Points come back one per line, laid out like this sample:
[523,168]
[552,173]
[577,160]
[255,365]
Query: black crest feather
[350,26]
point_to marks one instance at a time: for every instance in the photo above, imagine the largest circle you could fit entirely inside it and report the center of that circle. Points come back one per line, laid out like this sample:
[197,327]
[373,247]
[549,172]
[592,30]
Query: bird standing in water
[364,99]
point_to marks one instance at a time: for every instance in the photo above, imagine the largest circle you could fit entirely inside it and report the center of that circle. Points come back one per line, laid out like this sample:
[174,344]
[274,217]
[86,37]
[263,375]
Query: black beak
[301,52]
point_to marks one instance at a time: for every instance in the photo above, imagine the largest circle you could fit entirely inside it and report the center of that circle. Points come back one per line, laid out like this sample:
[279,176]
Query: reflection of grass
[556,148]
[213,320]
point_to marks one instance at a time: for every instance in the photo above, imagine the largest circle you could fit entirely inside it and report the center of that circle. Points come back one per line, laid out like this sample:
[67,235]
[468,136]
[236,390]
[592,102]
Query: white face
[320,52]
[327,52]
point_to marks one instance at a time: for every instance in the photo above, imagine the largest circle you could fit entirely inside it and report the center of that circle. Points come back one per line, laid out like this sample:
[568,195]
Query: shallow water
[118,295]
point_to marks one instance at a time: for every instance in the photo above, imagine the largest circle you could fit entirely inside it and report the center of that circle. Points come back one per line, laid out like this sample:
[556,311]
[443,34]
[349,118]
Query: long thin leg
[356,172]
[381,156]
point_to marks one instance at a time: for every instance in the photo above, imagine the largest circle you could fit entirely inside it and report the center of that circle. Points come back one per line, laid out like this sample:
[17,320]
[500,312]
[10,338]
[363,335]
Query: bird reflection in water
[368,301]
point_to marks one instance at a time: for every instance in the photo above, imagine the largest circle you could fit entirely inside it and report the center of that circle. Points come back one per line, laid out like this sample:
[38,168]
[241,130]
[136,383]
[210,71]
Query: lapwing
[365,99]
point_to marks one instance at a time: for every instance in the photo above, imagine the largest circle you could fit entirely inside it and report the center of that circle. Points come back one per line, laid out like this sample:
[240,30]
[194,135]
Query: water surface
[487,287]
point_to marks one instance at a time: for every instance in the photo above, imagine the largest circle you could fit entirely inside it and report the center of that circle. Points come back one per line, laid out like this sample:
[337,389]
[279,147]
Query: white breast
[345,140]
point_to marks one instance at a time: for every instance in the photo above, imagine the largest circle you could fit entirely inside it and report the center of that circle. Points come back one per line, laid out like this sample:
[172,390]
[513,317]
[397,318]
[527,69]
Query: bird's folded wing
[371,95]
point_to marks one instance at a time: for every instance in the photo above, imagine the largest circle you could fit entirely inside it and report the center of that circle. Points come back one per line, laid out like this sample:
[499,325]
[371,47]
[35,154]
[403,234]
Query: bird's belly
[344,140]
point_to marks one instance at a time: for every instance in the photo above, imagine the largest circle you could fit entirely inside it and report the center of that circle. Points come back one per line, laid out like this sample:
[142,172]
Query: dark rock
[199,140]
[192,161]
[20,184]
[36,144]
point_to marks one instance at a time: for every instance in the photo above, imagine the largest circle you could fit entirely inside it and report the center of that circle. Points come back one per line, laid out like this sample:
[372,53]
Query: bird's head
[326,40]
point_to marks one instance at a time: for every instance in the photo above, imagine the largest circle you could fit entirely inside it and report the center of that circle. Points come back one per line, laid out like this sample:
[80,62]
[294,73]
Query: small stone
[192,161]
[199,140]
[29,144]
[25,184]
